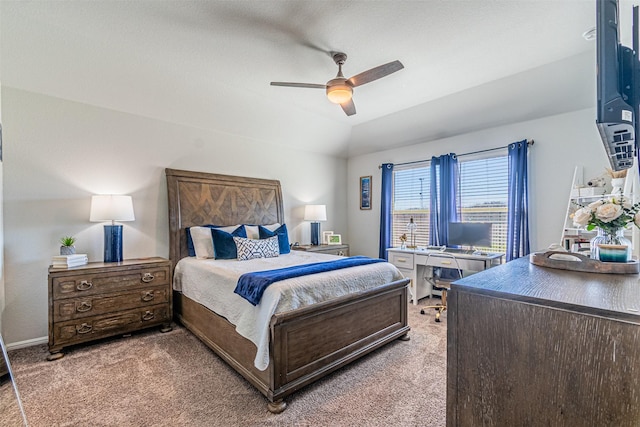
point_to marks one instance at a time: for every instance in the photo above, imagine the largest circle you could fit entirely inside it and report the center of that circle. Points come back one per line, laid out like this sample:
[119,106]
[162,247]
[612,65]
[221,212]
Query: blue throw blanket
[251,286]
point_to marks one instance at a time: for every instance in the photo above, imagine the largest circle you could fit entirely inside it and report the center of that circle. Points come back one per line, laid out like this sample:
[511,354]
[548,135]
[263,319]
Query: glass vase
[610,237]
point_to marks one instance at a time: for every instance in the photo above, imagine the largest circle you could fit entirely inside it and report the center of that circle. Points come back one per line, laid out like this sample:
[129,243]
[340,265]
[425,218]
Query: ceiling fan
[340,89]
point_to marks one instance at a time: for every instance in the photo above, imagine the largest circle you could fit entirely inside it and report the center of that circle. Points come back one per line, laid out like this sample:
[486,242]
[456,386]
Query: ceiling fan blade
[375,73]
[304,85]
[349,107]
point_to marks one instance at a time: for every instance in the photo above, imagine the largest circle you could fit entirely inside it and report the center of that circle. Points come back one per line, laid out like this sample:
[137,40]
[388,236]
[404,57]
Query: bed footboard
[308,343]
[314,341]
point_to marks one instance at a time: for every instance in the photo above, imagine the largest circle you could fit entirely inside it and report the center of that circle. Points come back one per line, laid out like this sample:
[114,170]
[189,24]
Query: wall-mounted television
[471,234]
[617,86]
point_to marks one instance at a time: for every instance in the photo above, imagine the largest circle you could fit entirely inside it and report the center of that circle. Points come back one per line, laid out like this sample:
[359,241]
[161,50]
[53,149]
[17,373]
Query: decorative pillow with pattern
[251,249]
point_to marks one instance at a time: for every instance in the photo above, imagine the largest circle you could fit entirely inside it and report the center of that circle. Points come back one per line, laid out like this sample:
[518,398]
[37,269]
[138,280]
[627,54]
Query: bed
[304,344]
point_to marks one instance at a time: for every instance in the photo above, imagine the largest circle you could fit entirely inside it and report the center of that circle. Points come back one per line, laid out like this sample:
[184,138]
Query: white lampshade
[315,213]
[111,208]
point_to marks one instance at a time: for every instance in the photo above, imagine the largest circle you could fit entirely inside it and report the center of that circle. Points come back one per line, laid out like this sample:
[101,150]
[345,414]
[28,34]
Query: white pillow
[272,227]
[251,248]
[254,233]
[203,242]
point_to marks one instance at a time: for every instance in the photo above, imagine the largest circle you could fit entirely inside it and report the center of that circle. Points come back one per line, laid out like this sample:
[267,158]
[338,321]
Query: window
[411,198]
[482,197]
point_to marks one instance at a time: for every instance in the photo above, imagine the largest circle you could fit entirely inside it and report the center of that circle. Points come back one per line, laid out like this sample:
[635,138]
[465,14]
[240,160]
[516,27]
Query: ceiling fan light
[339,93]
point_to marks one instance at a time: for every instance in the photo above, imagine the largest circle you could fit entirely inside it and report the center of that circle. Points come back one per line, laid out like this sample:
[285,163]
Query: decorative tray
[577,262]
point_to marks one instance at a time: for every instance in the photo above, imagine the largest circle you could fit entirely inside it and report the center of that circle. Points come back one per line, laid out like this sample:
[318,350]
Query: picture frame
[365,192]
[325,237]
[334,239]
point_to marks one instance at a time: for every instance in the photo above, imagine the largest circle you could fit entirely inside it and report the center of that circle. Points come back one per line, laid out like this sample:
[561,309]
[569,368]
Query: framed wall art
[365,192]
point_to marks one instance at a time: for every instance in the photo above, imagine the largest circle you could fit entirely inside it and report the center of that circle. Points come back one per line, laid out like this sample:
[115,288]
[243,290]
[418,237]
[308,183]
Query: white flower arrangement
[610,214]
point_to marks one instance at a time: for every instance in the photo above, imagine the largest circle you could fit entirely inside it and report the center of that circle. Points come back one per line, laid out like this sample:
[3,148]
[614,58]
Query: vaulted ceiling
[468,64]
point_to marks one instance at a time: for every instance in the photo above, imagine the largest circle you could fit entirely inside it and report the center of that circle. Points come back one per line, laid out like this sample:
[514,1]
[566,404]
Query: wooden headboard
[198,198]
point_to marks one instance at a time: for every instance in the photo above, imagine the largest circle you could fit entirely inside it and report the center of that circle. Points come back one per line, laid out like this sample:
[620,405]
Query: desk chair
[443,284]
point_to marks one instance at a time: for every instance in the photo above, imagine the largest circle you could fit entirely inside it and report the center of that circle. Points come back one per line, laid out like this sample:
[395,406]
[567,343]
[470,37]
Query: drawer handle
[148,277]
[84,285]
[445,262]
[148,315]
[84,306]
[85,328]
[401,259]
[341,253]
[148,296]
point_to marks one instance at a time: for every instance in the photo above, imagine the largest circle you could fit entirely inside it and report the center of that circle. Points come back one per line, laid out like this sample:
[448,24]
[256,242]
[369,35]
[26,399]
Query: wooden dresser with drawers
[98,300]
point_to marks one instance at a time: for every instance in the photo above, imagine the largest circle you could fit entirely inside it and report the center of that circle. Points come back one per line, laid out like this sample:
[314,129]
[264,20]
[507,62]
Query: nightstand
[342,250]
[99,300]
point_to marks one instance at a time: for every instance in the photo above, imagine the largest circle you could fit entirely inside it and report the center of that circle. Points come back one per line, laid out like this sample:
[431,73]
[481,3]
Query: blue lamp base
[315,233]
[112,243]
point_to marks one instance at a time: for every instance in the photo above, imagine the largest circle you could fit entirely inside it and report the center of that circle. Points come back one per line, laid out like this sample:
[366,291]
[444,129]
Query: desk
[418,264]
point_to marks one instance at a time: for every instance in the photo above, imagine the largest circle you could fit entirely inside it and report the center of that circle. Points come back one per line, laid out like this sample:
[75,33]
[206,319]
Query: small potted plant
[67,247]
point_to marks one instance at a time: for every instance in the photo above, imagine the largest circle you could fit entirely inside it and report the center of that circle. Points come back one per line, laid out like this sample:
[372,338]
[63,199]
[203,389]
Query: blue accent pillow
[283,237]
[223,245]
[191,247]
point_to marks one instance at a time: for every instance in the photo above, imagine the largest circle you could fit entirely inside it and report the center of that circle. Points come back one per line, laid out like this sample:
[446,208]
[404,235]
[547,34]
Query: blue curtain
[385,209]
[518,202]
[444,184]
[434,205]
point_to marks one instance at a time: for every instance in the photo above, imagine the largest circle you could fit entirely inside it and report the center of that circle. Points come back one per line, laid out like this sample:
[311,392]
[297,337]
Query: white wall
[561,142]
[58,153]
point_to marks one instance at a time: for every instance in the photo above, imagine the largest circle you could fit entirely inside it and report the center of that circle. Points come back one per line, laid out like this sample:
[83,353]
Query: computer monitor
[470,234]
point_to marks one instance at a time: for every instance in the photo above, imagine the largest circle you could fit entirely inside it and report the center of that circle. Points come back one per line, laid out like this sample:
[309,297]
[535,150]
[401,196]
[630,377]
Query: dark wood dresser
[530,345]
[99,300]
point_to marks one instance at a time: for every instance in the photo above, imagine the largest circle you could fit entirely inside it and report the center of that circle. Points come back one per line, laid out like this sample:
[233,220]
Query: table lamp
[315,213]
[112,208]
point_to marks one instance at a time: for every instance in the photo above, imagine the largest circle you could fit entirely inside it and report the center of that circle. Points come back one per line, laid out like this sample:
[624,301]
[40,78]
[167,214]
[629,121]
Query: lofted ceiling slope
[468,64]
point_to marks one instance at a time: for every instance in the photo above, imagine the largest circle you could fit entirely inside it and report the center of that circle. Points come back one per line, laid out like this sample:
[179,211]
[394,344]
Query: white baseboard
[27,343]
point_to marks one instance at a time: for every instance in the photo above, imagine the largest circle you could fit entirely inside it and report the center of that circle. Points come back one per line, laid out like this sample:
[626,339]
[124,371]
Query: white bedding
[211,283]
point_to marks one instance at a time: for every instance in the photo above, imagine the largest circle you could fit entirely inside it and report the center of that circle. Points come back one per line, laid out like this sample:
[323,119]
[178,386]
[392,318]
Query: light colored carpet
[172,379]
[9,410]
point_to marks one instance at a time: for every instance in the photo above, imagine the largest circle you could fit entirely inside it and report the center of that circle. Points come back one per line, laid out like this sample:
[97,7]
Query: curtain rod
[529,142]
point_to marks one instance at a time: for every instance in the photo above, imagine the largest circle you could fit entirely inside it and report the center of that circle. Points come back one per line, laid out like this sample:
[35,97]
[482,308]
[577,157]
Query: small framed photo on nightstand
[334,239]
[325,237]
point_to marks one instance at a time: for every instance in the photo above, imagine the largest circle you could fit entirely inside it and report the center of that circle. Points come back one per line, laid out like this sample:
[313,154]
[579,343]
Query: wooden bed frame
[305,344]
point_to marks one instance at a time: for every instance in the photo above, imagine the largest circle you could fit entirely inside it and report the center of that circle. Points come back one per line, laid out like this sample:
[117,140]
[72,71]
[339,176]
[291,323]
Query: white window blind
[482,195]
[411,198]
